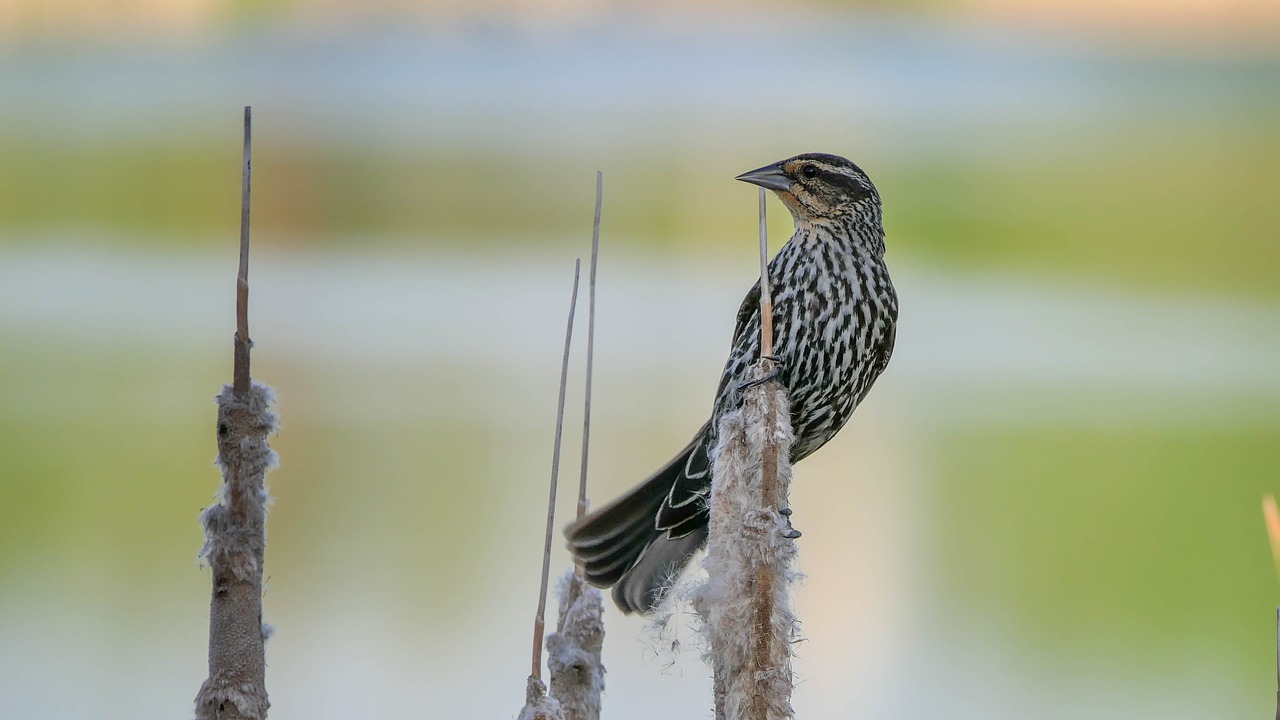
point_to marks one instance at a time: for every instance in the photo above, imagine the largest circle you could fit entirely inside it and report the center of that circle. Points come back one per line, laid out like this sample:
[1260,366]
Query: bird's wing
[879,359]
[685,507]
[745,330]
[748,312]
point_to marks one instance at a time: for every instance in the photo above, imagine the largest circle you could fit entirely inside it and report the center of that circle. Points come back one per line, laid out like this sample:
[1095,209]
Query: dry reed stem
[764,588]
[591,345]
[240,374]
[766,294]
[538,621]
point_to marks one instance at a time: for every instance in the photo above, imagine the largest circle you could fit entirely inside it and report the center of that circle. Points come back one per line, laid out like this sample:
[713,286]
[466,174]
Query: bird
[835,315]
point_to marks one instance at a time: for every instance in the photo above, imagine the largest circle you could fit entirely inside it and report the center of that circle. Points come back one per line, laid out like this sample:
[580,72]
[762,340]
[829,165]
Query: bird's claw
[771,375]
[789,532]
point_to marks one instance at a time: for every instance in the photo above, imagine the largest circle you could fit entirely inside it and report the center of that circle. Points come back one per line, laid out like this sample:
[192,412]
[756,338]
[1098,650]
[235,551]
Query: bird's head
[817,187]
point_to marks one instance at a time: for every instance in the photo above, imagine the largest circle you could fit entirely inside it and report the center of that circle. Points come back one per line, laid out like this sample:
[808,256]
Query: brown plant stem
[763,588]
[538,621]
[766,295]
[591,345]
[240,373]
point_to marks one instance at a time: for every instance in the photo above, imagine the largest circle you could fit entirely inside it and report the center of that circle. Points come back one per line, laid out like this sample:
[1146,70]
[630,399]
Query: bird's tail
[620,544]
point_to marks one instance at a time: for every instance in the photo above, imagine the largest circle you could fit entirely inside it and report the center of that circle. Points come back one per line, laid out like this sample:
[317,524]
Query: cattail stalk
[235,527]
[746,605]
[537,704]
[574,649]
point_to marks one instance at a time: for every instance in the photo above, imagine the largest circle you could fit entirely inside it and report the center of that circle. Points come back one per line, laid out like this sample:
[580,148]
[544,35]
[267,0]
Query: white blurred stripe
[665,315]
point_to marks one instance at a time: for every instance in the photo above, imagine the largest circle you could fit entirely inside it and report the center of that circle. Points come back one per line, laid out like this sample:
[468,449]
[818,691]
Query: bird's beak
[769,176]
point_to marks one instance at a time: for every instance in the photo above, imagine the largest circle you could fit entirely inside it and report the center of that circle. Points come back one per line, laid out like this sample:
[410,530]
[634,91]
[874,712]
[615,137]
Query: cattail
[573,651]
[745,604]
[537,705]
[235,527]
[235,546]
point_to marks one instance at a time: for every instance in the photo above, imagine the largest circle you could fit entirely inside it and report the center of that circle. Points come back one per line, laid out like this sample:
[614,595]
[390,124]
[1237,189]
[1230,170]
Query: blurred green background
[1049,507]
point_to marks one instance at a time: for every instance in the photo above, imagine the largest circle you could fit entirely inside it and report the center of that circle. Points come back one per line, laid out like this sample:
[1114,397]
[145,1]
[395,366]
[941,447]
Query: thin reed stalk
[538,706]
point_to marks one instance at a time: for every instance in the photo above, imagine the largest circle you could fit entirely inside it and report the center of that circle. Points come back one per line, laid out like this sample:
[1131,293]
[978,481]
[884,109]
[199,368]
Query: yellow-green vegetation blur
[1049,504]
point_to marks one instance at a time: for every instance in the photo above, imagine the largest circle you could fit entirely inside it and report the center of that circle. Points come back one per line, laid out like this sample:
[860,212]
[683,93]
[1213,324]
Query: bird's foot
[790,532]
[771,375]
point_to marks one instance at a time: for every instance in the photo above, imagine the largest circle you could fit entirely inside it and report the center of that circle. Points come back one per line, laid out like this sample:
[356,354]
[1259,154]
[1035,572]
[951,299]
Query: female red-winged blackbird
[834,313]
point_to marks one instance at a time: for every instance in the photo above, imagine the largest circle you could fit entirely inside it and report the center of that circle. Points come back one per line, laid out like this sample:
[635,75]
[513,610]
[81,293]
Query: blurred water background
[1049,506]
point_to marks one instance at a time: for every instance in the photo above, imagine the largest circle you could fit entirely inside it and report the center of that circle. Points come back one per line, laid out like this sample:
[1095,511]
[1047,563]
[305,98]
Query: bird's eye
[809,171]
